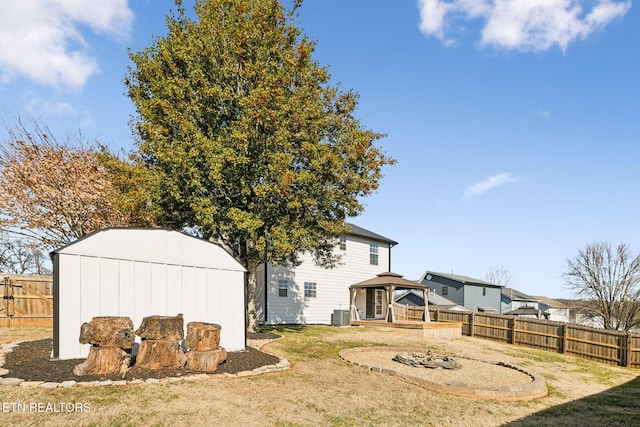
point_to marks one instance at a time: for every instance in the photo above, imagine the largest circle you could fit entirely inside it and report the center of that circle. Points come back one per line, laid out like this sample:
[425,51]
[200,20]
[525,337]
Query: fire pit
[474,378]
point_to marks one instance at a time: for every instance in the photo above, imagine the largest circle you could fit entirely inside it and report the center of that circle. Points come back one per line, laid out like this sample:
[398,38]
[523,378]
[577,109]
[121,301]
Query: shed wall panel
[109,285]
[159,288]
[127,299]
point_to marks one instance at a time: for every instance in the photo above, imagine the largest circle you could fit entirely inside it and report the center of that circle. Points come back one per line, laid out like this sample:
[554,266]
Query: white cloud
[41,39]
[483,186]
[544,114]
[534,25]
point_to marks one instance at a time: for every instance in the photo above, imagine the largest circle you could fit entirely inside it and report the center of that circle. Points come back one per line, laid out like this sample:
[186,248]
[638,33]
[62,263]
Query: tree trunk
[108,332]
[251,321]
[104,361]
[170,328]
[206,361]
[202,336]
[159,354]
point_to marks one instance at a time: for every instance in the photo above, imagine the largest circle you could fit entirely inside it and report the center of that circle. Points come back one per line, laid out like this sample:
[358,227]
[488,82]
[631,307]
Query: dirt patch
[31,361]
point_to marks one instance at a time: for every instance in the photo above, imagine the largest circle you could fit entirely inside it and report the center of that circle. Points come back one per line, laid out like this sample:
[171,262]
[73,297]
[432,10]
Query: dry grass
[322,389]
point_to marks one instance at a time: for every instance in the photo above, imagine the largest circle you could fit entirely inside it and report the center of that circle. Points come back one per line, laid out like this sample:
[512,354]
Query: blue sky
[515,123]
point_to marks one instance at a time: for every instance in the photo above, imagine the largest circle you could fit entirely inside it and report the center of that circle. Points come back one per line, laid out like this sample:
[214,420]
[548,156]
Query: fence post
[625,357]
[471,322]
[563,338]
[436,317]
[512,330]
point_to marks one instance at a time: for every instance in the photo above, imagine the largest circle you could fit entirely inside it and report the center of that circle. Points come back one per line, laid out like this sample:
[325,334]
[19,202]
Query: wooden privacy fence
[26,300]
[614,347]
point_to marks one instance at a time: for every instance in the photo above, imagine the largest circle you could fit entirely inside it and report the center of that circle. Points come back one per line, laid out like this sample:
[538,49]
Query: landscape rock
[202,336]
[206,361]
[159,354]
[170,328]
[427,360]
[108,332]
[104,361]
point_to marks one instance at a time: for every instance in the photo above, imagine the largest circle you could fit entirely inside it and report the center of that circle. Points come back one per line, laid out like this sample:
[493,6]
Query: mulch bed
[31,361]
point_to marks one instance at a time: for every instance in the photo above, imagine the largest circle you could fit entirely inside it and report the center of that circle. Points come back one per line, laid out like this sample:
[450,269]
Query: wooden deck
[426,329]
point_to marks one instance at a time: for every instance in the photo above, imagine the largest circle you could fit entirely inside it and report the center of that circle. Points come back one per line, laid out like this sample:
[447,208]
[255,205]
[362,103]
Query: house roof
[552,303]
[516,295]
[359,231]
[459,278]
[389,278]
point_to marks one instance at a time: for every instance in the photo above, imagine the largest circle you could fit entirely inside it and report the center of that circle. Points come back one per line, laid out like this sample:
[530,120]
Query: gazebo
[388,283]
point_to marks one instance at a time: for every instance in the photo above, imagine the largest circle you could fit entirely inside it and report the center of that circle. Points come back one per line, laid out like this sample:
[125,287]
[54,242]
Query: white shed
[137,272]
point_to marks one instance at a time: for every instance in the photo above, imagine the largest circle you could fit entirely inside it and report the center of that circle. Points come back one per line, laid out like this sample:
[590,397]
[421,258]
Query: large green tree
[251,145]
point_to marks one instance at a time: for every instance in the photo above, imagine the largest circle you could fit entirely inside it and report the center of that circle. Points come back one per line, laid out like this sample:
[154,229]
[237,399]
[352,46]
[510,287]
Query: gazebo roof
[389,278]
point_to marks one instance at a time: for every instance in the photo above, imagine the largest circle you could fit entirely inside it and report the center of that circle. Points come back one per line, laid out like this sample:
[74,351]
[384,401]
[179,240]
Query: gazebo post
[354,309]
[427,317]
[391,317]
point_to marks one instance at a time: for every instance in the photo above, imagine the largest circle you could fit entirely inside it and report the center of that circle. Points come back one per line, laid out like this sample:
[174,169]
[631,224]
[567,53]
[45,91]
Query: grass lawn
[322,389]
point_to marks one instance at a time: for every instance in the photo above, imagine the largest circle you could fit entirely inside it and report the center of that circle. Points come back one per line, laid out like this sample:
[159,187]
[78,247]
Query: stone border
[536,389]
[282,365]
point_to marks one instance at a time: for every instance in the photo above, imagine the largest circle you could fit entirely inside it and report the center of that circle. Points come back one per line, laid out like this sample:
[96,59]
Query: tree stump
[206,361]
[160,354]
[170,328]
[202,336]
[108,332]
[102,360]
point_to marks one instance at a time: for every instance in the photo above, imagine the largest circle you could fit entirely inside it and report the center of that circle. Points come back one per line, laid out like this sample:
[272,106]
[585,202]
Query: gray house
[474,294]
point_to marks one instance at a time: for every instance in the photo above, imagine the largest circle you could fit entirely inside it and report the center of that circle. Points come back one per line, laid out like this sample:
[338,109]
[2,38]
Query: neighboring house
[134,272]
[473,294]
[558,311]
[413,298]
[308,293]
[513,299]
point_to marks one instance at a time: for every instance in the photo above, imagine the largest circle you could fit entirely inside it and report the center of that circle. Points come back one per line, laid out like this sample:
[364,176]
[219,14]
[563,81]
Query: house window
[445,290]
[373,253]
[484,291]
[283,286]
[309,289]
[343,243]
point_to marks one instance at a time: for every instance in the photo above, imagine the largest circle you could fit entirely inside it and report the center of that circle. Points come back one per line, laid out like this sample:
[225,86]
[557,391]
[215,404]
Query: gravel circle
[474,373]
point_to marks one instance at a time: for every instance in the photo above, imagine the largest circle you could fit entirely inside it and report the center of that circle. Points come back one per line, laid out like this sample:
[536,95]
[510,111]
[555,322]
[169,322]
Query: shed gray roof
[461,279]
[527,311]
[359,231]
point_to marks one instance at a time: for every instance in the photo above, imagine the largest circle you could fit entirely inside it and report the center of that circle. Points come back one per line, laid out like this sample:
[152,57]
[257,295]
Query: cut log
[202,336]
[161,328]
[160,354]
[108,332]
[104,361]
[206,361]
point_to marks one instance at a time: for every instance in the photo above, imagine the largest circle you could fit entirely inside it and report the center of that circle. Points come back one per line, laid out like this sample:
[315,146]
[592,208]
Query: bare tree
[18,256]
[52,191]
[610,280]
[498,275]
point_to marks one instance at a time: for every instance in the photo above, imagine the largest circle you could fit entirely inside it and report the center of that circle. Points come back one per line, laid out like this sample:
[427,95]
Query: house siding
[332,285]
